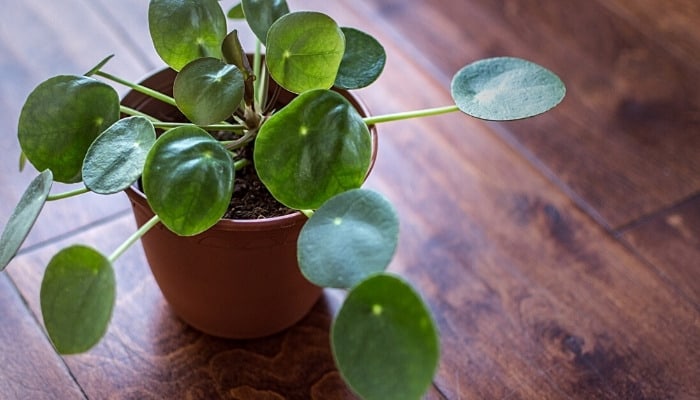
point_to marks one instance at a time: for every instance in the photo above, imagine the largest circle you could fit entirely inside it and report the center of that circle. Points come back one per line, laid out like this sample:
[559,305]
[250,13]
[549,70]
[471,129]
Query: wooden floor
[560,255]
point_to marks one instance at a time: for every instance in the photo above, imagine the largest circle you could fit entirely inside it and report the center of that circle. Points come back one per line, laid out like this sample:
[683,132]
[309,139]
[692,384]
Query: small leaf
[24,216]
[304,51]
[261,14]
[77,298]
[184,30]
[353,235]
[61,118]
[236,12]
[188,180]
[208,90]
[314,148]
[99,65]
[384,340]
[362,62]
[233,53]
[506,88]
[115,159]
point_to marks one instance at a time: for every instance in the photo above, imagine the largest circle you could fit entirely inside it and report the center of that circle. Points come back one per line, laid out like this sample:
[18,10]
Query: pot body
[239,279]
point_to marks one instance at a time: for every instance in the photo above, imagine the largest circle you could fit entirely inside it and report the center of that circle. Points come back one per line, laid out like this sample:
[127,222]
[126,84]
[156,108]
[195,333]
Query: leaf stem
[213,127]
[134,238]
[240,164]
[68,194]
[308,213]
[410,114]
[139,88]
[136,113]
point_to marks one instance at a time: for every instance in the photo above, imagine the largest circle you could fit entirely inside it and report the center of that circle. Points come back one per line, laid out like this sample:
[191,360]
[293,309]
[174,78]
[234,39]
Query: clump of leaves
[312,155]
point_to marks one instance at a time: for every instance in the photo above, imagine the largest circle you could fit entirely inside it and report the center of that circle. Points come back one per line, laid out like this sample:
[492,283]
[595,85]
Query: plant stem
[139,88]
[134,238]
[136,113]
[240,164]
[68,194]
[257,67]
[410,114]
[213,127]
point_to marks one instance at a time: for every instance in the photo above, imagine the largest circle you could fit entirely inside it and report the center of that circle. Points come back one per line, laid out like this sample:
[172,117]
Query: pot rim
[134,192]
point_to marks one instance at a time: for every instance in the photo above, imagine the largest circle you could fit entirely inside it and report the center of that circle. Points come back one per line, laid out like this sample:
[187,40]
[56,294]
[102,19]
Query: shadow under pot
[239,279]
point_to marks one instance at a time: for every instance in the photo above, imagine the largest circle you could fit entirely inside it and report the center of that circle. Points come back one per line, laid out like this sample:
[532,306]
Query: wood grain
[533,298]
[30,367]
[629,120]
[671,243]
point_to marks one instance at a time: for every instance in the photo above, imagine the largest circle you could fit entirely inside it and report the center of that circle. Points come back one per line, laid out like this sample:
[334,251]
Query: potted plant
[311,150]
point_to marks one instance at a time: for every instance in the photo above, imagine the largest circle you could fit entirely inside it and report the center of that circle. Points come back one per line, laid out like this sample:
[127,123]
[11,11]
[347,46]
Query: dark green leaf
[362,62]
[236,12]
[385,341]
[61,118]
[115,159]
[208,90]
[23,217]
[353,235]
[77,297]
[188,180]
[304,51]
[506,88]
[261,14]
[314,148]
[184,30]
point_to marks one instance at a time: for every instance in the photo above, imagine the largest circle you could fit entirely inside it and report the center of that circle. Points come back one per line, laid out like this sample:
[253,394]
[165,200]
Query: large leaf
[261,14]
[314,148]
[188,180]
[304,51]
[362,62]
[77,297]
[353,235]
[385,341]
[207,90]
[184,30]
[506,88]
[61,118]
[116,158]
[23,217]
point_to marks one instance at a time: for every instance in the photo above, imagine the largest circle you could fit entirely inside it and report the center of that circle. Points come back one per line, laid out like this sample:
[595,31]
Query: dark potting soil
[251,199]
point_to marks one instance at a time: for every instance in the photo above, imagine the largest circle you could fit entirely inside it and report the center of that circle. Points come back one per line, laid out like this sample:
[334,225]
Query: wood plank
[30,367]
[533,299]
[623,143]
[674,23]
[671,243]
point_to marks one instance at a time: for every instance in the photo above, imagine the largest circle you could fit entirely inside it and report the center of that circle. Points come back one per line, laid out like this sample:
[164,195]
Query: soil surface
[251,199]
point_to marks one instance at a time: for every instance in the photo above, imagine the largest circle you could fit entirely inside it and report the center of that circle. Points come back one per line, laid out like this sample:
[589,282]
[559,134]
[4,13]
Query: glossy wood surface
[560,255]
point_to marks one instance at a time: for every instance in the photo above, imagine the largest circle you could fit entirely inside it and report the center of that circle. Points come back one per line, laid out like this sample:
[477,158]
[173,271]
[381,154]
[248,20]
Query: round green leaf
[188,180]
[261,14]
[506,88]
[77,296]
[61,118]
[362,62]
[314,148]
[384,340]
[304,51]
[184,30]
[208,90]
[23,217]
[115,159]
[353,235]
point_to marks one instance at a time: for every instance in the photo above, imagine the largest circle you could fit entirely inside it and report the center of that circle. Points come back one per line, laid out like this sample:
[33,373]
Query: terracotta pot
[239,279]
